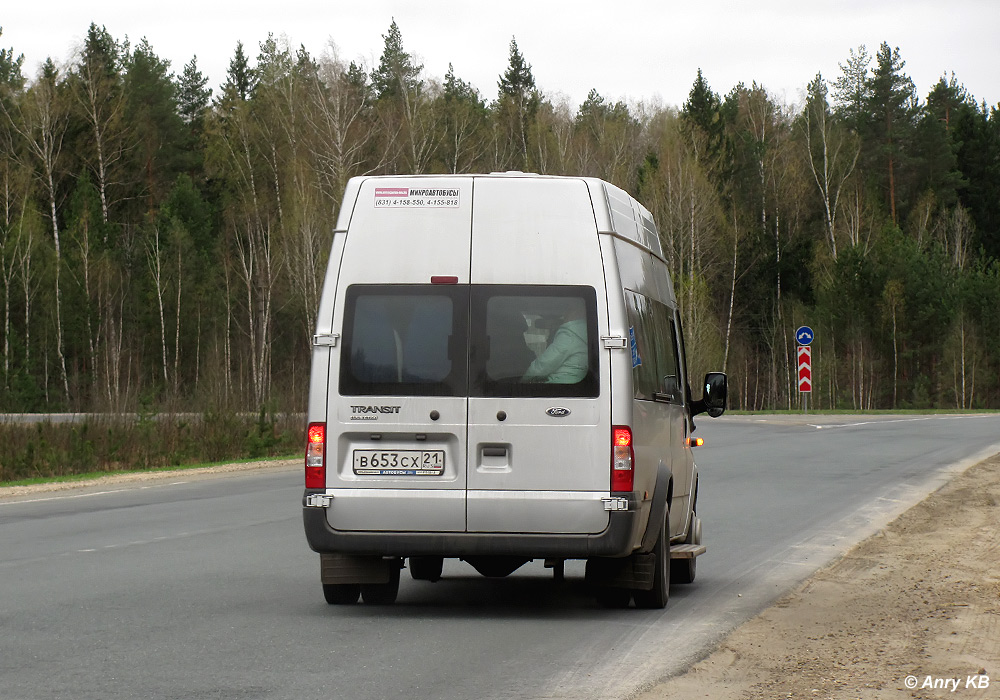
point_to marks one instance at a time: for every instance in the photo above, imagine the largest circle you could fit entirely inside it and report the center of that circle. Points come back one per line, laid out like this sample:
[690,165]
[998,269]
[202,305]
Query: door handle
[494,452]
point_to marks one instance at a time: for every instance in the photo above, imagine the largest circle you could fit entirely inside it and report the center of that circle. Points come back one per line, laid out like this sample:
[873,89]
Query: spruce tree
[703,109]
[518,103]
[517,81]
[193,93]
[160,132]
[240,78]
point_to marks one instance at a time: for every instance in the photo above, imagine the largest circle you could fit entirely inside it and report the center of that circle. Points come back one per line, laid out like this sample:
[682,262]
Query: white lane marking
[893,420]
[60,498]
[87,495]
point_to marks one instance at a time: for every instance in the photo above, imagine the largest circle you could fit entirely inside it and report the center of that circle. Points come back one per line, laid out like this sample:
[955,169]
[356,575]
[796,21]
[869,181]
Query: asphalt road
[205,588]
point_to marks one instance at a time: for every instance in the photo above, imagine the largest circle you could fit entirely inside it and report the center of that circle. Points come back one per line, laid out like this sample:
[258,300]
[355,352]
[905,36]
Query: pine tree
[852,90]
[396,74]
[893,106]
[11,77]
[459,90]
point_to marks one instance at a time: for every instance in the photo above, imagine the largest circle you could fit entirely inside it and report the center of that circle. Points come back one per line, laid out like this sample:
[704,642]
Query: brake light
[622,459]
[316,456]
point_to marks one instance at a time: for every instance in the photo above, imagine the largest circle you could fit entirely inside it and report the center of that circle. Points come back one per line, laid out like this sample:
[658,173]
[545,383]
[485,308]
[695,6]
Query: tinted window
[399,341]
[655,367]
[485,340]
[643,342]
[535,340]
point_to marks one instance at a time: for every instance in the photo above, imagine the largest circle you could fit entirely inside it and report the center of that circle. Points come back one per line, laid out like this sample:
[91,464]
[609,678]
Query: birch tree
[832,155]
[97,88]
[41,118]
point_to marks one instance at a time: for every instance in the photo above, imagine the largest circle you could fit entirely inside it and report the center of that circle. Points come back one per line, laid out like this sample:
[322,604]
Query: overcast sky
[633,50]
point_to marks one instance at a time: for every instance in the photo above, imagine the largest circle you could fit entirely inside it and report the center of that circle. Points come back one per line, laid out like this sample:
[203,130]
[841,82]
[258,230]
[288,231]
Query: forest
[162,243]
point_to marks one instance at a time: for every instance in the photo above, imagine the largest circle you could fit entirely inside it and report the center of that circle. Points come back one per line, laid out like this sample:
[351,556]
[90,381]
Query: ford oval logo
[558,412]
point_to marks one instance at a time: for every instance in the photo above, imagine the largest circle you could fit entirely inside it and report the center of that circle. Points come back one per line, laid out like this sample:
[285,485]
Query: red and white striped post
[805,374]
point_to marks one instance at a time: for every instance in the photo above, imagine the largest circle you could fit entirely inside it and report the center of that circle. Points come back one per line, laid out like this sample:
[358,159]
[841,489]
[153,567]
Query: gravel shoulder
[912,612]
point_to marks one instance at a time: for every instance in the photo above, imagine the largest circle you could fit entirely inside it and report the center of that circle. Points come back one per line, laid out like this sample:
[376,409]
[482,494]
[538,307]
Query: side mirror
[713,400]
[716,391]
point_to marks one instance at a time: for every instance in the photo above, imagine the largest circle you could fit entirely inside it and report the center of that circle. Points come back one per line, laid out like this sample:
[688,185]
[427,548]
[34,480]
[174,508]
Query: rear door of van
[539,431]
[398,398]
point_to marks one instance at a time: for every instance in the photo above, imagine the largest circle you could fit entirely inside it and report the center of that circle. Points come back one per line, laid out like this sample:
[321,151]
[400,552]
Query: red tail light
[316,456]
[622,459]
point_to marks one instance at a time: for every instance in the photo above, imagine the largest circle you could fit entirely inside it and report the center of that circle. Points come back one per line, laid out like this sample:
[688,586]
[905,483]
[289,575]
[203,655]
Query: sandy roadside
[912,612]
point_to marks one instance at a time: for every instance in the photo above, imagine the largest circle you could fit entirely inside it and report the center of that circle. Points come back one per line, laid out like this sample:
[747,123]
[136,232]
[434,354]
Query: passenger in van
[565,360]
[510,356]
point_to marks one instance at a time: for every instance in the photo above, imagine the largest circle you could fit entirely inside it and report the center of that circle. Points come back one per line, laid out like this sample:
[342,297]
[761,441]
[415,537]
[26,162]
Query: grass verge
[46,451]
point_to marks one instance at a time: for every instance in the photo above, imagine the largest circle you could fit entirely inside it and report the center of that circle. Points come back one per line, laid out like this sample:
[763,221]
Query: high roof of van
[616,212]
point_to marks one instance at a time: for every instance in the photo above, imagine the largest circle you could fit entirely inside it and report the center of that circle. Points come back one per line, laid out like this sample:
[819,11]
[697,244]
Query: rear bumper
[614,541]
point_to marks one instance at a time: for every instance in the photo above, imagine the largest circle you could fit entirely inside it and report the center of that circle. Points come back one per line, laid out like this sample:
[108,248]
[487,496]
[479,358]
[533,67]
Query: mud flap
[657,509]
[353,568]
[634,571]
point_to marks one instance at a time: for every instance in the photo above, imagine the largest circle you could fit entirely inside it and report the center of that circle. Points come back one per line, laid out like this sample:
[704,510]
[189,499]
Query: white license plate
[399,462]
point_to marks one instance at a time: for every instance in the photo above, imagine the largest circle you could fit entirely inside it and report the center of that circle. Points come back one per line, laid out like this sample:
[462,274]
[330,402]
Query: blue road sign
[804,335]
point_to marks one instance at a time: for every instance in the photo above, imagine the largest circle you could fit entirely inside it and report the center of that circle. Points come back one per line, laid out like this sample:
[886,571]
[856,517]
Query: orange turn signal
[694,442]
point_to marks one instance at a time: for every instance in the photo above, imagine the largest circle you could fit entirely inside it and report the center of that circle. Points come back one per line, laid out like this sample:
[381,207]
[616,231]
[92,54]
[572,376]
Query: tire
[683,570]
[382,593]
[426,568]
[341,593]
[656,598]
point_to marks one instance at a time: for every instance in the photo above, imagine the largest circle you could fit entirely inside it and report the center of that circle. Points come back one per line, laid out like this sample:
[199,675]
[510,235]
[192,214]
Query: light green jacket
[565,360]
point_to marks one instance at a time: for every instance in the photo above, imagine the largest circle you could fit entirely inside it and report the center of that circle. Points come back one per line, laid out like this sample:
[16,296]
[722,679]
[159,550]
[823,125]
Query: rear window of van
[480,340]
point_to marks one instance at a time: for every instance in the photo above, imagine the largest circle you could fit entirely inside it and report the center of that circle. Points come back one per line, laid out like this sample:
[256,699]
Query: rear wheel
[383,593]
[341,593]
[657,597]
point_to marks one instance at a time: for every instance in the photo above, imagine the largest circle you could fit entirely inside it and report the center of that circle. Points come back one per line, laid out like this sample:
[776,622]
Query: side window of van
[533,340]
[400,340]
[642,337]
[655,365]
[668,367]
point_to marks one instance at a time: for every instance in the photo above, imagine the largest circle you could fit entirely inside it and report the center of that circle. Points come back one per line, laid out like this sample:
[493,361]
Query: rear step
[686,551]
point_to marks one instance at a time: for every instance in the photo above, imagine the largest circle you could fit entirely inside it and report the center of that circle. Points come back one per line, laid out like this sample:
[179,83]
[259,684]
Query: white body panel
[512,463]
